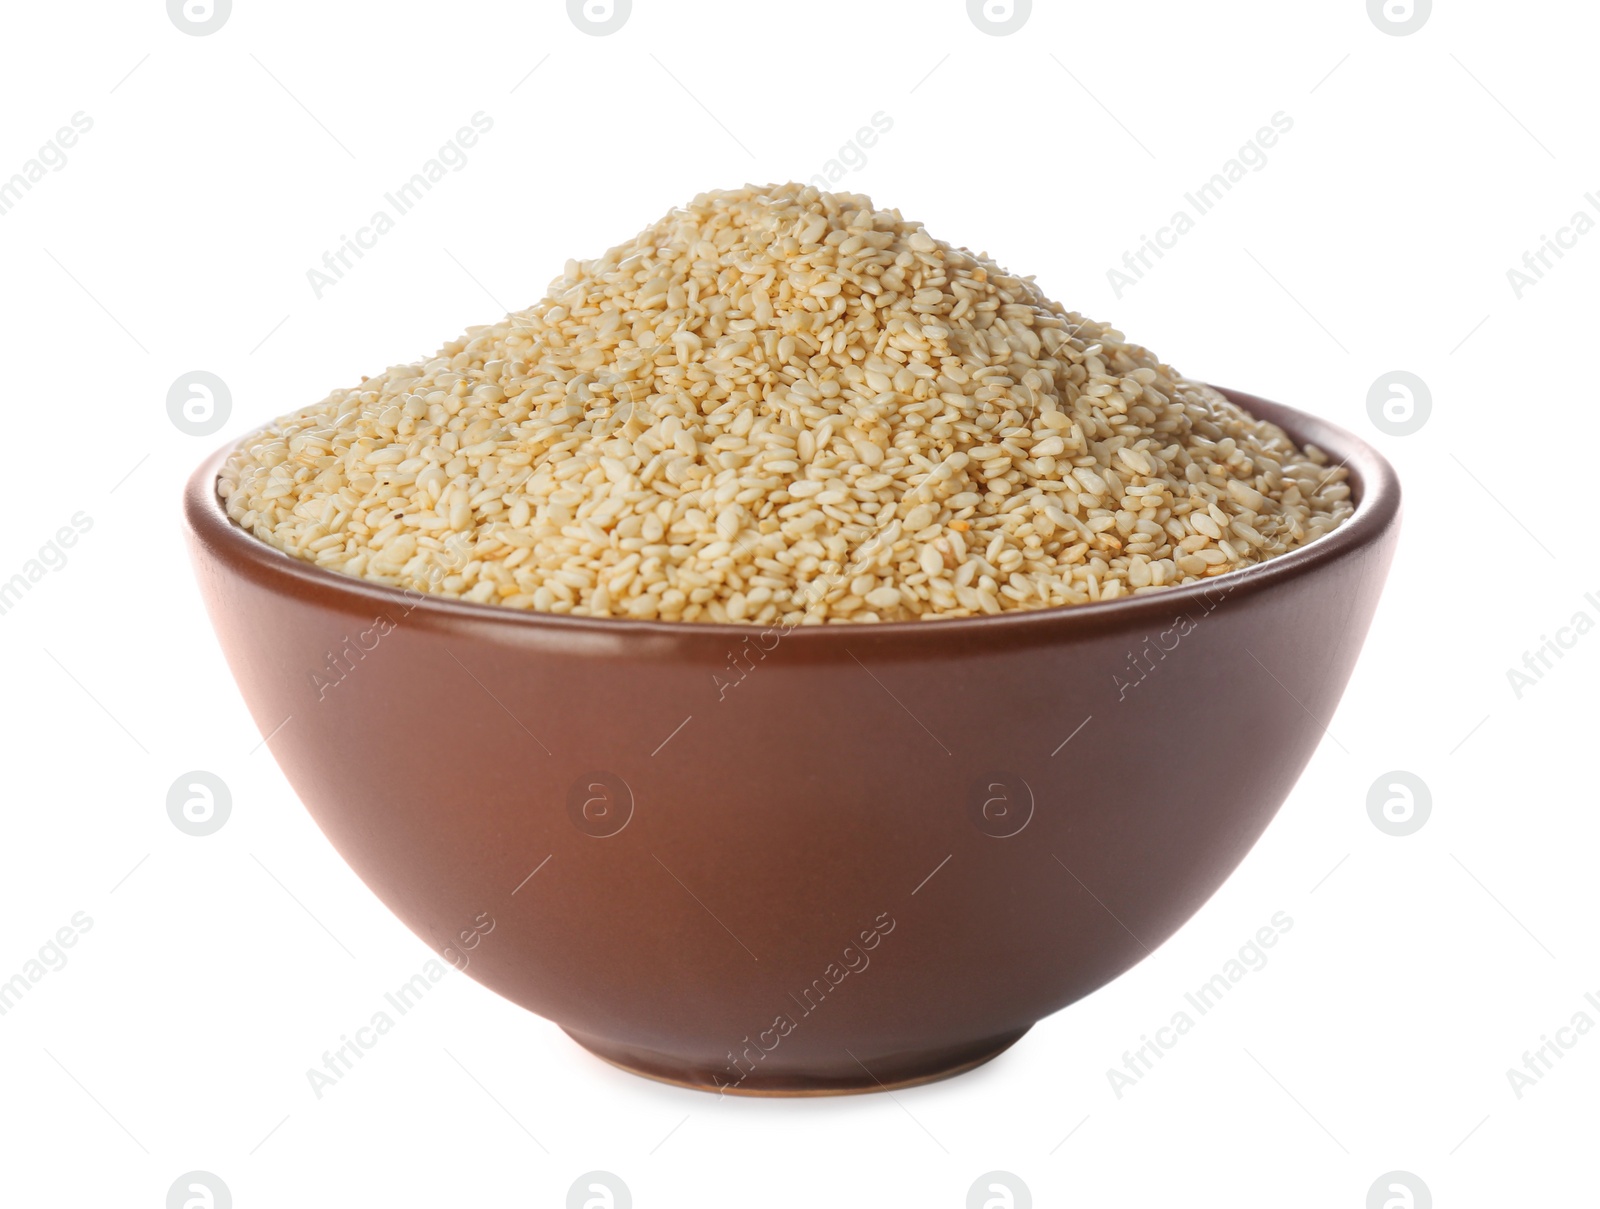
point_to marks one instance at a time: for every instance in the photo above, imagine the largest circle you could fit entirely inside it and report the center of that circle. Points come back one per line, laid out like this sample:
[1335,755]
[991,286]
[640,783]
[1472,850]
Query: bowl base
[907,1070]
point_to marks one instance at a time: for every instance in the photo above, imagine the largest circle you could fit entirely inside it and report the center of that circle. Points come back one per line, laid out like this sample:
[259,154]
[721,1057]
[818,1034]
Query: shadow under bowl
[833,859]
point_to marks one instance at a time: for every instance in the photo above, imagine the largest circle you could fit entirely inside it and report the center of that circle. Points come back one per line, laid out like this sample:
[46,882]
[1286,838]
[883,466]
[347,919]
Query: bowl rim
[1374,484]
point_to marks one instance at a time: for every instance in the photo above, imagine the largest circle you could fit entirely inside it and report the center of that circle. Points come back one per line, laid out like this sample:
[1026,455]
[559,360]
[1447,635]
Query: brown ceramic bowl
[831,860]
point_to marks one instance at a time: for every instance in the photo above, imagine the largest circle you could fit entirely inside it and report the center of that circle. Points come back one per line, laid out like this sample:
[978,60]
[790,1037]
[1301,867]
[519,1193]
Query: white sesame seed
[780,405]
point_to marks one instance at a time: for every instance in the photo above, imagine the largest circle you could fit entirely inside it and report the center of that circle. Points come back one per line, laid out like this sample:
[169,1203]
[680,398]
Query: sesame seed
[777,404]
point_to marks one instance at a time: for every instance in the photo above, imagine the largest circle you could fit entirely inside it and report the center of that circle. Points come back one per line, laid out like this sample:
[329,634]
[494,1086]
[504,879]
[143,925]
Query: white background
[1378,237]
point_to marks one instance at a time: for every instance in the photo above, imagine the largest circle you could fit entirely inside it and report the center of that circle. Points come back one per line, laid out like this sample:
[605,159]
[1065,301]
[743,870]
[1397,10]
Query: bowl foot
[890,1074]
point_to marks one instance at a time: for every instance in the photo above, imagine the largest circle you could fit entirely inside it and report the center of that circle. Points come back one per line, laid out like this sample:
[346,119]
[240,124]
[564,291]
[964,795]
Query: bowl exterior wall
[766,859]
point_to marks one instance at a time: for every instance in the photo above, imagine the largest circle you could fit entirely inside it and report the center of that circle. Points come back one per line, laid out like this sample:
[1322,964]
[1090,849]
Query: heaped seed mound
[783,406]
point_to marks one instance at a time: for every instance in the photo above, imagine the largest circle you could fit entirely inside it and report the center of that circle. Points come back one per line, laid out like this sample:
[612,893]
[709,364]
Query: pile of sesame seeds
[777,405]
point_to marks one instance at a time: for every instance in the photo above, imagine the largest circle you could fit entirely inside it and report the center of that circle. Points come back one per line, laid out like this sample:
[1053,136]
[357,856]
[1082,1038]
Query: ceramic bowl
[831,859]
